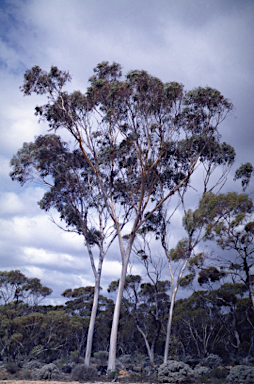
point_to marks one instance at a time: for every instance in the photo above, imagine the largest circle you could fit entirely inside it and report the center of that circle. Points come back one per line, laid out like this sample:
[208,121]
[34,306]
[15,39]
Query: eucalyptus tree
[142,138]
[229,221]
[73,191]
[16,288]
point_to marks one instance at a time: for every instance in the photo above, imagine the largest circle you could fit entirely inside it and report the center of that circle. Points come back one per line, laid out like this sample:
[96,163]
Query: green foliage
[16,287]
[181,251]
[244,172]
[229,220]
[215,209]
[140,110]
[187,280]
[204,323]
[210,274]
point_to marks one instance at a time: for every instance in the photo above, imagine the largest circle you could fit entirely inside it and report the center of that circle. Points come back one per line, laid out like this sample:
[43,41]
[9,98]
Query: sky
[196,43]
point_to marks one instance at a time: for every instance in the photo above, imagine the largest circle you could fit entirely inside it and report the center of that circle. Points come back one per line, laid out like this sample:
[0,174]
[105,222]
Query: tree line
[218,320]
[138,144]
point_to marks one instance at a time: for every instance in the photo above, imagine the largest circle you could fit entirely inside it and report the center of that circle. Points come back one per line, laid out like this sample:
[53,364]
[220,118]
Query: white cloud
[41,257]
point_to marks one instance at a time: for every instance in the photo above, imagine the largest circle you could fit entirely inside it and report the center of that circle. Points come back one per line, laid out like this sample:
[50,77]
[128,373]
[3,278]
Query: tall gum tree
[142,138]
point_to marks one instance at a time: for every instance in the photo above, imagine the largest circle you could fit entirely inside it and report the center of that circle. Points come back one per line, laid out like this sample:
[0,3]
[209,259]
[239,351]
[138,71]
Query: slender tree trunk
[174,292]
[114,329]
[150,350]
[89,342]
[169,326]
[97,278]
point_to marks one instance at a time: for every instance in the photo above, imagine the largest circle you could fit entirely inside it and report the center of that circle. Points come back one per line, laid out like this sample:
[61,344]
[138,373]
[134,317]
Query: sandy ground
[39,382]
[59,382]
[54,382]
[47,381]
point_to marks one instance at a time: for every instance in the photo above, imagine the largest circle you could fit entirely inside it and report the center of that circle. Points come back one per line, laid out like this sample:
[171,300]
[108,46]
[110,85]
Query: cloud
[193,42]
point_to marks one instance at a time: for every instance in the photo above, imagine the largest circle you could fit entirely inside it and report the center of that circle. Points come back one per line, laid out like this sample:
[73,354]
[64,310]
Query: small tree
[228,219]
[16,288]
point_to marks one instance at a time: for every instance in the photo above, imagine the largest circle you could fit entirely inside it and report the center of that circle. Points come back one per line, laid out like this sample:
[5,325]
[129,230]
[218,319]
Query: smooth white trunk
[114,329]
[169,325]
[97,278]
[150,350]
[172,304]
[89,342]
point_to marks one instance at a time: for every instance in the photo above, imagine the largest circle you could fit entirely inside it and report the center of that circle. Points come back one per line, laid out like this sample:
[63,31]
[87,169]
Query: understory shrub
[83,373]
[11,367]
[175,372]
[68,367]
[212,361]
[201,370]
[32,364]
[241,374]
[47,372]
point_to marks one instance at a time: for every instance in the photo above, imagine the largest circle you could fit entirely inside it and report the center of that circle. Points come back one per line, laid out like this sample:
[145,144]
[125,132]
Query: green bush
[175,372]
[241,374]
[47,372]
